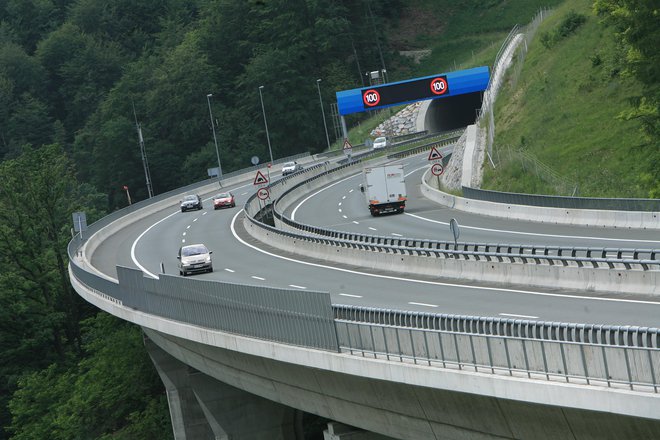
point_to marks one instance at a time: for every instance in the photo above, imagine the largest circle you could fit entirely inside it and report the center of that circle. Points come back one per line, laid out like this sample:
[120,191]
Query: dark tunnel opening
[453,112]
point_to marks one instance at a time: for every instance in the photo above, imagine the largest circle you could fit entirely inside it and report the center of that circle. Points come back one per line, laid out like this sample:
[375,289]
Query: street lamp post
[325,125]
[261,97]
[215,139]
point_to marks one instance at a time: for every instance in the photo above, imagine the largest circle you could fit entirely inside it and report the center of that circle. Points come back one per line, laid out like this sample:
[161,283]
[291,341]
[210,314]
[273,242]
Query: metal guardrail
[544,355]
[611,258]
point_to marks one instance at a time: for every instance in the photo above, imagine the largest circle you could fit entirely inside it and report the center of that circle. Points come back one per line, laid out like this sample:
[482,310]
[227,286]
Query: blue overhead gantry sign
[418,89]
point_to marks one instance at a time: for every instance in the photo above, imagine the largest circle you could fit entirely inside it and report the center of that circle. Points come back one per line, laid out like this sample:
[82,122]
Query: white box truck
[385,189]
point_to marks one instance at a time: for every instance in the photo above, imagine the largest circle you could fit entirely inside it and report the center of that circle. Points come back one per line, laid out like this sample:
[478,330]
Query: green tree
[39,311]
[638,29]
[112,393]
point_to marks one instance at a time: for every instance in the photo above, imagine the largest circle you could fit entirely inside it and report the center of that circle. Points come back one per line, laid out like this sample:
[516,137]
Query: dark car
[194,258]
[224,200]
[190,202]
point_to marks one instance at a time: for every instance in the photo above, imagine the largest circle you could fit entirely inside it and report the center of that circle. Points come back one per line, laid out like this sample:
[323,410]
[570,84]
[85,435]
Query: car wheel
[210,269]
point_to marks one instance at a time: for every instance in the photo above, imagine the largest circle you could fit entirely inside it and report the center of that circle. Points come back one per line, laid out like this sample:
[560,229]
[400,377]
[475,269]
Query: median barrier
[577,217]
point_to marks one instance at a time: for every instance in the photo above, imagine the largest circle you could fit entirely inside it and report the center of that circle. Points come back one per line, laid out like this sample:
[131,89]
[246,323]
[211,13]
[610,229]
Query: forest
[76,76]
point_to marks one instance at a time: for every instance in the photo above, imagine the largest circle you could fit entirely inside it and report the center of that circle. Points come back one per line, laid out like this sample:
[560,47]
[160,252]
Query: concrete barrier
[577,217]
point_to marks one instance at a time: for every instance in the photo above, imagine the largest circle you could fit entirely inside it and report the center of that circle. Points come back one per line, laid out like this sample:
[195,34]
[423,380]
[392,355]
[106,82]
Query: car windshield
[380,139]
[223,196]
[193,250]
[189,198]
[289,164]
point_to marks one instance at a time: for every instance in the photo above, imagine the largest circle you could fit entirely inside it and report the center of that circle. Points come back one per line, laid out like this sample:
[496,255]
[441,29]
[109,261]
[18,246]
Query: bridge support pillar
[204,408]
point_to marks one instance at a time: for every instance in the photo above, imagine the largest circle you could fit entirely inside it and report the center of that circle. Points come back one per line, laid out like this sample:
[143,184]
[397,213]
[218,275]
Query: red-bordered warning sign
[260,179]
[434,154]
[263,193]
[347,145]
[437,169]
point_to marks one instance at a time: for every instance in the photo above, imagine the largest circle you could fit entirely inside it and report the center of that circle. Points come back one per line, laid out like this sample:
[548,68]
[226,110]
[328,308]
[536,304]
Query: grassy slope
[564,111]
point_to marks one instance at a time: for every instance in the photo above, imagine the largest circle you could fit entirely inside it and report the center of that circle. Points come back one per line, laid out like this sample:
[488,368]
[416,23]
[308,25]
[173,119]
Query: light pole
[215,139]
[261,97]
[325,125]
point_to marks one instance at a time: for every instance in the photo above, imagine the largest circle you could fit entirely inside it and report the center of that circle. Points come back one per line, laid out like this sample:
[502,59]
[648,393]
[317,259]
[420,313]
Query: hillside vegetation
[567,109]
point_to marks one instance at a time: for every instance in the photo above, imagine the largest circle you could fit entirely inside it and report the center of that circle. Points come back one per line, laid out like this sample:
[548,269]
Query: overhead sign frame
[417,89]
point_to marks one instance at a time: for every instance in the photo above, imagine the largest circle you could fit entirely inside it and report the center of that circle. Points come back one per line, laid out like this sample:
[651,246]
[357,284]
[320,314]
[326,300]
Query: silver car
[194,258]
[190,202]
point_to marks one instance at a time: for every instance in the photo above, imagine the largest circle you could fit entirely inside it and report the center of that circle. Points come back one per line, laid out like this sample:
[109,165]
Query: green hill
[564,110]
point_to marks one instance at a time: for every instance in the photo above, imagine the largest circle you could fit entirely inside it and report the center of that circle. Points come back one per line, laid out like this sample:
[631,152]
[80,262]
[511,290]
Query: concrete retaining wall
[577,217]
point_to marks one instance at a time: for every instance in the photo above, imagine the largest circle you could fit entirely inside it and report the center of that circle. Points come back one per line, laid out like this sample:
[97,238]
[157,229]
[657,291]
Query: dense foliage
[76,74]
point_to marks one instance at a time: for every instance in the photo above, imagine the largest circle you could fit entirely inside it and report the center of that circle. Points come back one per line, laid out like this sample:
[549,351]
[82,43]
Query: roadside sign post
[348,149]
[455,230]
[79,223]
[436,169]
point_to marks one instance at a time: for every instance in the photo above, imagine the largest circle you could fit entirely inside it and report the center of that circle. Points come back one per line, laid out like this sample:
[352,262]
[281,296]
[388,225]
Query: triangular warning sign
[260,179]
[434,154]
[347,145]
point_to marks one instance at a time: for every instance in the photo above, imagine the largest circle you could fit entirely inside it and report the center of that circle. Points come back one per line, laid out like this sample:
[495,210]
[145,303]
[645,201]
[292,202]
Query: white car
[194,258]
[291,167]
[380,142]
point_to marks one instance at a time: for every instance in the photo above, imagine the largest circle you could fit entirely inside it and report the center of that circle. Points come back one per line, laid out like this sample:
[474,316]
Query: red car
[224,200]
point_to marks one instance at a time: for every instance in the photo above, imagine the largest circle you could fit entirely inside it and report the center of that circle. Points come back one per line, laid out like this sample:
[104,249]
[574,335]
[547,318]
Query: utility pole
[145,163]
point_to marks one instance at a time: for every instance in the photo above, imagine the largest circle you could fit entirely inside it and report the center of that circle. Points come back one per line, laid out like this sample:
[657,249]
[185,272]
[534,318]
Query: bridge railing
[636,368]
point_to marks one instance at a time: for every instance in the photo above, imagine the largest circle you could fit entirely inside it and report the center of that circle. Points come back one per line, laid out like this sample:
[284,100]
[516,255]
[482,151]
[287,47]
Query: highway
[240,259]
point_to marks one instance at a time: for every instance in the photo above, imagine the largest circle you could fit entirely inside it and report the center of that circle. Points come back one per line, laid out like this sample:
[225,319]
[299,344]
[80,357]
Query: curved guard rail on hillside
[611,258]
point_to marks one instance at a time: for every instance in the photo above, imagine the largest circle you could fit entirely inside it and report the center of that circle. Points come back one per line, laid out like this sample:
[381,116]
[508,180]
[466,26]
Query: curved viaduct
[245,350]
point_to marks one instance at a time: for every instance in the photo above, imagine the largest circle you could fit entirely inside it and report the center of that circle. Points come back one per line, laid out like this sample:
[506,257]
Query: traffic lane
[254,263]
[426,220]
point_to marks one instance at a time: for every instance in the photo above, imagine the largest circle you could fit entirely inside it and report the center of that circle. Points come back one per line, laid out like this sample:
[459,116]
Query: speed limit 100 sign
[437,169]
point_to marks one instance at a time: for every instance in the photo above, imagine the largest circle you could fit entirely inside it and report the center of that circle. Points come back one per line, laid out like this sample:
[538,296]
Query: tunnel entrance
[452,112]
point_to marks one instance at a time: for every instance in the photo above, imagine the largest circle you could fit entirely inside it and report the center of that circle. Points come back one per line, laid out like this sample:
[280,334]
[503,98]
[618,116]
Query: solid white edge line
[297,287]
[352,296]
[258,278]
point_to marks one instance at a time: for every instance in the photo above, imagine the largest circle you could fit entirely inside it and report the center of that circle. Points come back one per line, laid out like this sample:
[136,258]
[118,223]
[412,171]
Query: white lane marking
[134,245]
[518,316]
[397,235]
[195,219]
[184,234]
[415,170]
[243,193]
[352,296]
[293,213]
[373,229]
[339,204]
[343,197]
[188,227]
[340,210]
[357,223]
[258,278]
[431,283]
[182,241]
[229,270]
[297,287]
[344,216]
[422,304]
[528,233]
[350,191]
